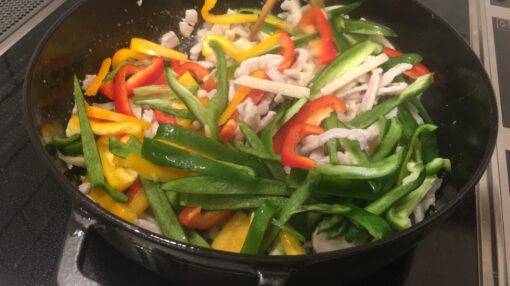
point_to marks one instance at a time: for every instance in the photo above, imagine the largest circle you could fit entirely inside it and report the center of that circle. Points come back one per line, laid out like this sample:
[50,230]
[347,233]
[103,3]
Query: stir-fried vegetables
[230,148]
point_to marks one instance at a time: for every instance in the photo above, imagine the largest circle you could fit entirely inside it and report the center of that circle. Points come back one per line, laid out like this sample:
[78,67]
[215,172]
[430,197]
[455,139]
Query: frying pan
[461,102]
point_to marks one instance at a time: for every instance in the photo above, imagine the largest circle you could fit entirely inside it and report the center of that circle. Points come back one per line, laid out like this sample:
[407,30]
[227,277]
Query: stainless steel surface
[17,18]
[488,18]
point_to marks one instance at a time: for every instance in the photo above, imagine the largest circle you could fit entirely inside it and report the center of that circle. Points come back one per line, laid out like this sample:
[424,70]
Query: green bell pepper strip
[422,111]
[398,214]
[73,149]
[433,167]
[298,41]
[362,27]
[288,230]
[410,148]
[219,101]
[258,226]
[276,169]
[332,144]
[296,200]
[196,239]
[336,10]
[354,39]
[119,149]
[212,185]
[163,212]
[356,234]
[375,225]
[164,104]
[268,133]
[228,202]
[370,170]
[90,153]
[357,189]
[259,149]
[389,141]
[367,118]
[409,124]
[339,230]
[165,155]
[325,208]
[410,58]
[60,142]
[195,141]
[174,200]
[257,11]
[341,41]
[329,222]
[410,183]
[429,139]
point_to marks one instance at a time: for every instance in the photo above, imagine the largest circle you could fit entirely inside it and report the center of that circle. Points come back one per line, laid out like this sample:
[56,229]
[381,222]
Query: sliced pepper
[107,90]
[232,236]
[124,54]
[237,18]
[312,113]
[122,104]
[101,74]
[194,218]
[287,51]
[151,171]
[146,76]
[228,131]
[363,27]
[106,128]
[121,210]
[95,112]
[228,202]
[262,217]
[118,177]
[164,118]
[316,18]
[153,49]
[196,69]
[291,246]
[417,71]
[289,156]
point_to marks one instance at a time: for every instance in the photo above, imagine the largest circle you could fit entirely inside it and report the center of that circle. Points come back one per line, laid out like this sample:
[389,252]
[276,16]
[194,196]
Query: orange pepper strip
[153,49]
[105,201]
[98,81]
[152,171]
[232,236]
[139,203]
[241,94]
[124,54]
[105,114]
[291,246]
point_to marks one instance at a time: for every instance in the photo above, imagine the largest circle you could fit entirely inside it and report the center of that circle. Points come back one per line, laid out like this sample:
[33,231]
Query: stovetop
[34,209]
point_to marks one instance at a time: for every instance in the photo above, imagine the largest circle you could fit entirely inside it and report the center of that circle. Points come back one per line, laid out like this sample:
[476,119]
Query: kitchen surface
[467,249]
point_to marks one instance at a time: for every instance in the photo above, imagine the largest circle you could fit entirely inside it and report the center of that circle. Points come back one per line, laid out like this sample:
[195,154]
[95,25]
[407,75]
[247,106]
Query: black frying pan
[461,102]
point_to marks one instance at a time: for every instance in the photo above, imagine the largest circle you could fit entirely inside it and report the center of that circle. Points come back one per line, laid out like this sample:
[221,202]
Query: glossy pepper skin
[312,113]
[196,219]
[317,18]
[287,51]
[196,69]
[120,89]
[289,156]
[417,71]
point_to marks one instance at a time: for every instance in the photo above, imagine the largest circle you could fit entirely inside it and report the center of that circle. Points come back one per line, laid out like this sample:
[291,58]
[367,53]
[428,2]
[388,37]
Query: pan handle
[80,222]
[271,277]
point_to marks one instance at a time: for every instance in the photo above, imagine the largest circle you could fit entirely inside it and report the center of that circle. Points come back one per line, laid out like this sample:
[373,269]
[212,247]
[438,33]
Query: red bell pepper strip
[210,84]
[287,51]
[122,104]
[313,113]
[417,71]
[146,76]
[195,219]
[317,18]
[296,133]
[134,189]
[228,130]
[106,89]
[196,69]
[164,118]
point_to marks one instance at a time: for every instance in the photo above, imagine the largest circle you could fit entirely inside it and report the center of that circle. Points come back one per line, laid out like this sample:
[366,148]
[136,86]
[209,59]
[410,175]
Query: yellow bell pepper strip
[152,171]
[240,95]
[118,177]
[237,53]
[95,112]
[106,128]
[291,246]
[123,211]
[237,18]
[98,81]
[232,236]
[124,54]
[139,203]
[153,49]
